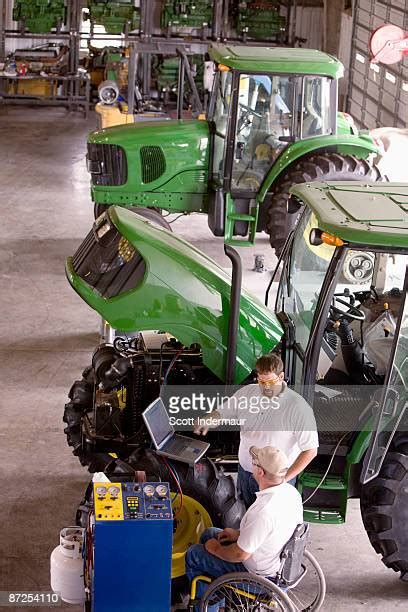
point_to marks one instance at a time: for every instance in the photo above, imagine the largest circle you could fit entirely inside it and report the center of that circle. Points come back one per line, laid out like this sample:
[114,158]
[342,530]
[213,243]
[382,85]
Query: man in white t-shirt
[264,530]
[274,415]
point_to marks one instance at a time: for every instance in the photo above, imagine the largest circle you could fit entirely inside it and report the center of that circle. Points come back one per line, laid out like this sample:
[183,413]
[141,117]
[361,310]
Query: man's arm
[227,410]
[232,553]
[303,459]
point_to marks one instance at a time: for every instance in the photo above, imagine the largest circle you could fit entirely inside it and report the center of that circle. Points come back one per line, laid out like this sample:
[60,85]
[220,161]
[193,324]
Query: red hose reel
[388,44]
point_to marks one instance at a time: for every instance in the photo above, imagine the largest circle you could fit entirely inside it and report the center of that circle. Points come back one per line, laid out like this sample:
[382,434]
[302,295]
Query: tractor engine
[105,407]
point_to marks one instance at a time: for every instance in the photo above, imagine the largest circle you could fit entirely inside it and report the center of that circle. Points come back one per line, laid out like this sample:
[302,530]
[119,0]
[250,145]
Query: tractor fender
[347,144]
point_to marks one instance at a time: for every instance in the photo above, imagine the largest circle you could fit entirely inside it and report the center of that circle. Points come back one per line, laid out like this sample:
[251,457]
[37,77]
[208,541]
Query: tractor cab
[342,302]
[272,122]
[262,101]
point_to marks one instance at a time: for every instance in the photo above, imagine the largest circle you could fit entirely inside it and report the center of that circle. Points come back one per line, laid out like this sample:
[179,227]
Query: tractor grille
[153,163]
[107,261]
[107,164]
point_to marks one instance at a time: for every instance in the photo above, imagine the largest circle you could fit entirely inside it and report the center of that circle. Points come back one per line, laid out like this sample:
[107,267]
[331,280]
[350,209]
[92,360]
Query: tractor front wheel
[319,167]
[384,509]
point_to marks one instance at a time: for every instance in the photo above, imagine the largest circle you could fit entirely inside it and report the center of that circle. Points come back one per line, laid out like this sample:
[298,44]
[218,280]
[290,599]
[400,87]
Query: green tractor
[272,122]
[345,348]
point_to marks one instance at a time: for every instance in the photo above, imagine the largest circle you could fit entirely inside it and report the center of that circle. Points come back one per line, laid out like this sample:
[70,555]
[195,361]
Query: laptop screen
[157,419]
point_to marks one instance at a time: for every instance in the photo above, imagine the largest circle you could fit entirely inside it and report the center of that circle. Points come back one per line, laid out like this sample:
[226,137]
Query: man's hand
[199,429]
[303,459]
[202,429]
[229,534]
[212,546]
[232,553]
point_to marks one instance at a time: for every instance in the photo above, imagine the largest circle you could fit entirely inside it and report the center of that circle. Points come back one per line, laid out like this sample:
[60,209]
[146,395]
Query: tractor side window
[363,318]
[222,92]
[316,119]
[265,125]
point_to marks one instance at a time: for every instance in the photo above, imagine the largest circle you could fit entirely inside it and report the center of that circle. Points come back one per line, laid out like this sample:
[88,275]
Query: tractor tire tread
[317,167]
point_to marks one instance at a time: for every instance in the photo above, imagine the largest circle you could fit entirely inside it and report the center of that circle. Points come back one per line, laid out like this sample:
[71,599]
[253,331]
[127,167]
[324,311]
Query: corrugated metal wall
[378,94]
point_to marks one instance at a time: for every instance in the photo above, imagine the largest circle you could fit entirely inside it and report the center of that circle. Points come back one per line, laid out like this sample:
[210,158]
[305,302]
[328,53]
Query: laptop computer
[167,442]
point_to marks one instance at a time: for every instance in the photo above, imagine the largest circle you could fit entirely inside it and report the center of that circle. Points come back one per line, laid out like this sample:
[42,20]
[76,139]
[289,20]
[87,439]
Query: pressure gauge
[101,491]
[148,490]
[161,490]
[114,491]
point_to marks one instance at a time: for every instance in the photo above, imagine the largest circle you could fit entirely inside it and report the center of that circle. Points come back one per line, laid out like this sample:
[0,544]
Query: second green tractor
[272,121]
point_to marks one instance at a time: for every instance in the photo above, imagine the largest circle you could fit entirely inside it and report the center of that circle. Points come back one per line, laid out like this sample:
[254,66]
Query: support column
[333,10]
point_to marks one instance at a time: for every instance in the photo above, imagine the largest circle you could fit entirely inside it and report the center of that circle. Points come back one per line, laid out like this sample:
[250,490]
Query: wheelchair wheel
[309,593]
[244,592]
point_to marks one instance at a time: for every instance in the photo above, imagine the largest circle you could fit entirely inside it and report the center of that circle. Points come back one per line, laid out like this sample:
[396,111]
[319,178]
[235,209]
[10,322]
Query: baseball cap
[270,459]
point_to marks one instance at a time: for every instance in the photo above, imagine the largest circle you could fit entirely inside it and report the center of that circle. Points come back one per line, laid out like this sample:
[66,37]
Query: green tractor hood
[151,163]
[142,277]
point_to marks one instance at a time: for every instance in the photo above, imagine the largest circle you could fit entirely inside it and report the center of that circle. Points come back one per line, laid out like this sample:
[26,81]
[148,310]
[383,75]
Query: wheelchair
[299,584]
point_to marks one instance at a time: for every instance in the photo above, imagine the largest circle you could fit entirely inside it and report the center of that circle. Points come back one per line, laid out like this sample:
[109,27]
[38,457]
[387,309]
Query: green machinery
[40,16]
[272,122]
[190,14]
[345,347]
[114,16]
[165,70]
[260,20]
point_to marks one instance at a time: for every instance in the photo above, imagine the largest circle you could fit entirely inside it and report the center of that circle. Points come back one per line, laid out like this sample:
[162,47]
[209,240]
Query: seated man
[264,530]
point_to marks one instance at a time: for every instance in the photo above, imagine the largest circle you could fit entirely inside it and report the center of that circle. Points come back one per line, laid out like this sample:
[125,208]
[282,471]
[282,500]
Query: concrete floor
[47,335]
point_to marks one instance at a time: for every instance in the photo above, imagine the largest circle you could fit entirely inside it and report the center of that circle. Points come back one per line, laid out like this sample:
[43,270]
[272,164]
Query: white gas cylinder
[67,566]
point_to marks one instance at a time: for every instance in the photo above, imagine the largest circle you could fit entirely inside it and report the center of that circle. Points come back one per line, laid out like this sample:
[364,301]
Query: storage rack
[149,40]
[71,90]
[153,42]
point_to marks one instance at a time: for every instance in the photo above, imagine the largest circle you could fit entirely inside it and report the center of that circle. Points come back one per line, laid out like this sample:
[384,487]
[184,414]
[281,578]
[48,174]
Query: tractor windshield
[266,123]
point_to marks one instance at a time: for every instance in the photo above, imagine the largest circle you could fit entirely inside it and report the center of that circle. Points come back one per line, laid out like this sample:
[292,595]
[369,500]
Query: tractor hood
[150,163]
[142,277]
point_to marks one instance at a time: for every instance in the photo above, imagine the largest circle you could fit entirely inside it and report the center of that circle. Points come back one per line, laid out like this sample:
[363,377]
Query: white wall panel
[309,25]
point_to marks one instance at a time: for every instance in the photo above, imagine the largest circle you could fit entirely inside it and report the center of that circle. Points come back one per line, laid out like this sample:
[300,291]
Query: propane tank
[67,566]
[108,92]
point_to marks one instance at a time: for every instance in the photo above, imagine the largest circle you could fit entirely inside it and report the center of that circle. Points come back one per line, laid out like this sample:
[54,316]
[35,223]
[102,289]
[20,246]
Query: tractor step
[232,217]
[334,483]
[240,217]
[327,516]
[328,502]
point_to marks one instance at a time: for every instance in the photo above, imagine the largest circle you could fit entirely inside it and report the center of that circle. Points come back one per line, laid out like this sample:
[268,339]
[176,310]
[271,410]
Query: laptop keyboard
[177,446]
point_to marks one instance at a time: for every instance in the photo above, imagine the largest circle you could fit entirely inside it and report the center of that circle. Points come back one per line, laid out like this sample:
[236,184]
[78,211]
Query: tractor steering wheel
[243,121]
[250,111]
[353,314]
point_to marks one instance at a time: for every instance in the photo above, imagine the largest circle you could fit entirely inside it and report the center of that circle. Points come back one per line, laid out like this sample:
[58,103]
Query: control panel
[132,501]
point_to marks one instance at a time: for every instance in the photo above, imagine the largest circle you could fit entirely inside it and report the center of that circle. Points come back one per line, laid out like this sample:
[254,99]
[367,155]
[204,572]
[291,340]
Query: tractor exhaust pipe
[235,298]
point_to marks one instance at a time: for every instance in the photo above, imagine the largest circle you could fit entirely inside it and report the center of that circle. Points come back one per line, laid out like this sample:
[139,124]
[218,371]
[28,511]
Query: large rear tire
[319,167]
[204,482]
[384,509]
